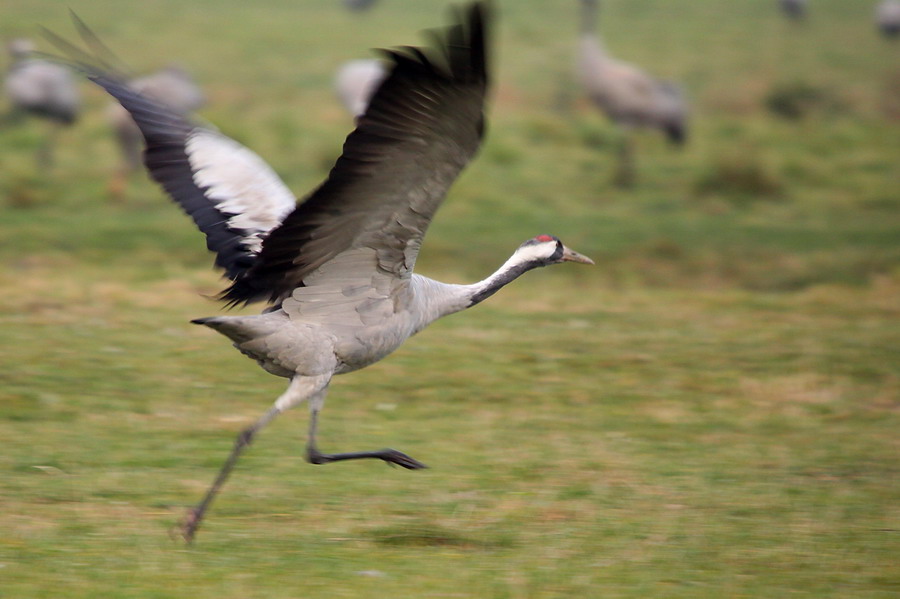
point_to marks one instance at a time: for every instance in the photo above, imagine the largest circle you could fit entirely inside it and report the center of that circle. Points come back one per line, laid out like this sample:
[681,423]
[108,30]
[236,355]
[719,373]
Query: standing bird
[356,81]
[887,18]
[44,89]
[172,86]
[629,97]
[337,269]
[794,9]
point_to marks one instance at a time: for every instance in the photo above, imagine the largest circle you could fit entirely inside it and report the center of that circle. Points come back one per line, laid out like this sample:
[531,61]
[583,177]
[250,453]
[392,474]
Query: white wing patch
[240,184]
[356,81]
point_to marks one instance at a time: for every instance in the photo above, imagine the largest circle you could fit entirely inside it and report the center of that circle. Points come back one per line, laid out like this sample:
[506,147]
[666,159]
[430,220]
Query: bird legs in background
[300,389]
[46,151]
[625,174]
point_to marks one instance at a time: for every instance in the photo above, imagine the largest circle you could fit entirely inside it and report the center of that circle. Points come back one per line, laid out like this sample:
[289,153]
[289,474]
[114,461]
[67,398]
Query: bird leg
[45,153]
[391,456]
[192,520]
[314,456]
[625,168]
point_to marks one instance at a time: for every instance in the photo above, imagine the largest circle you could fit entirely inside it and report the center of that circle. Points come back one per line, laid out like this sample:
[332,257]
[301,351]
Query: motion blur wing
[232,195]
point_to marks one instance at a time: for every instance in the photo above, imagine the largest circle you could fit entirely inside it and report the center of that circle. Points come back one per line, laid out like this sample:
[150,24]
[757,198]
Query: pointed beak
[572,256]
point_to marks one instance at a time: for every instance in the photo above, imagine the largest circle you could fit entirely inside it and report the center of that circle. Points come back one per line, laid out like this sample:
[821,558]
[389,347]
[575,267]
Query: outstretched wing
[423,125]
[232,195]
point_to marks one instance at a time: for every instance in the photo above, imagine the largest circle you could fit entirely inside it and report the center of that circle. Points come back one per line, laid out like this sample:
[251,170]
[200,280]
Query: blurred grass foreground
[711,411]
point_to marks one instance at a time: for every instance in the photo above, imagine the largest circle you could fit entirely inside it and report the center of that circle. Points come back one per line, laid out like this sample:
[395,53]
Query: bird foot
[391,456]
[398,458]
[188,526]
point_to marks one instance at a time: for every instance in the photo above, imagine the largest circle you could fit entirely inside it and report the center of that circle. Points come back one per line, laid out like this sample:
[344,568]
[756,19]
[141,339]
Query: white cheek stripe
[532,252]
[240,183]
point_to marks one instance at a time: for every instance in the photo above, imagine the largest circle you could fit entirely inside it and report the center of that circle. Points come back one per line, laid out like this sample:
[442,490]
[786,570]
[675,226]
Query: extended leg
[192,520]
[314,456]
[299,389]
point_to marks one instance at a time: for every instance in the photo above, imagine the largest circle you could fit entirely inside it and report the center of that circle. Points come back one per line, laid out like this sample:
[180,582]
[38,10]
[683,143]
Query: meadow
[710,411]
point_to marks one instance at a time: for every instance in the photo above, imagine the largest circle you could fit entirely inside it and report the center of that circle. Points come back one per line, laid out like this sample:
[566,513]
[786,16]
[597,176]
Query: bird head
[545,250]
[542,250]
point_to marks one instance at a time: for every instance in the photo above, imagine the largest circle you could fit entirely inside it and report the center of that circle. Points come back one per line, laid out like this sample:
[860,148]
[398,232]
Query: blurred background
[710,411]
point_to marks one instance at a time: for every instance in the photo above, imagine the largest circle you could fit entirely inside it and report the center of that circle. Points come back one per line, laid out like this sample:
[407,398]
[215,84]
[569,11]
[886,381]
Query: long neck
[436,299]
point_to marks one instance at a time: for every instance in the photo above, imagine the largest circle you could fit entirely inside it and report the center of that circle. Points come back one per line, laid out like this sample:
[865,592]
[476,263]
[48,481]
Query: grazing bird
[887,18]
[337,269]
[629,97]
[794,9]
[44,89]
[356,81]
[172,86]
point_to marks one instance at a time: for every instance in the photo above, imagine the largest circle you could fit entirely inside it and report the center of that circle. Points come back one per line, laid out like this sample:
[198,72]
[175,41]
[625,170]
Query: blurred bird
[887,18]
[629,97]
[794,9]
[359,5]
[356,81]
[42,88]
[172,86]
[337,269]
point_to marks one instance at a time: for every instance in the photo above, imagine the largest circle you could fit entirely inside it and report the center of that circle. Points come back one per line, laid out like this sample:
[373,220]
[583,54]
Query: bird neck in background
[588,17]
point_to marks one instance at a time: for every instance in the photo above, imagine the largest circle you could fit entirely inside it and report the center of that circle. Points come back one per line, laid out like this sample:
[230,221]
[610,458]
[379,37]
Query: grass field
[711,411]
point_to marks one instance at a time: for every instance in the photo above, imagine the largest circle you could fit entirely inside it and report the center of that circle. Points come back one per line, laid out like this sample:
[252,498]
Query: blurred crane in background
[42,88]
[172,86]
[356,81]
[887,18]
[630,98]
[794,9]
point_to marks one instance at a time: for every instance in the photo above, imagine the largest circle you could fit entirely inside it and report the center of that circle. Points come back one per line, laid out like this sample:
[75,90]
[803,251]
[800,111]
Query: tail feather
[240,329]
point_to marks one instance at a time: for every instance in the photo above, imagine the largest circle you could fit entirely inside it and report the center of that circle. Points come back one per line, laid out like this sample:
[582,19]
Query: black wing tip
[457,51]
[96,61]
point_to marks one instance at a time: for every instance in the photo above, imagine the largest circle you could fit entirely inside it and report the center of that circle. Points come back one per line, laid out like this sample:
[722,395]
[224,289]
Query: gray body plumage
[336,327]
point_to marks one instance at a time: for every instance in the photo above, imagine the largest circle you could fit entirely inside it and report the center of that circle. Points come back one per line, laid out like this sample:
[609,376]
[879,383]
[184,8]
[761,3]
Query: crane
[336,270]
[356,81]
[626,94]
[887,17]
[173,86]
[42,88]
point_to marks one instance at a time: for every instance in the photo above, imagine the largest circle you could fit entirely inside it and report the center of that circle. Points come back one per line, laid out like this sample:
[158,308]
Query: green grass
[711,411]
